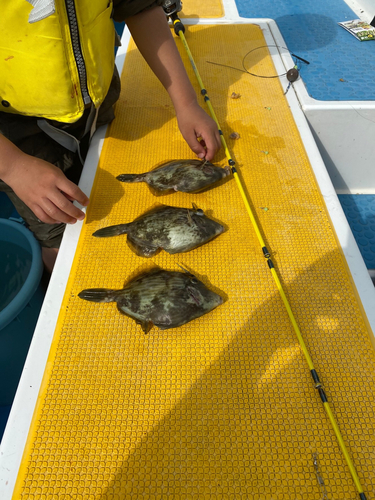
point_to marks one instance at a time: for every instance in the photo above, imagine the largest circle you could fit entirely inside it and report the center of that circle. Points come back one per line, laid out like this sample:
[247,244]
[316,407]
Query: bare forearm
[153,38]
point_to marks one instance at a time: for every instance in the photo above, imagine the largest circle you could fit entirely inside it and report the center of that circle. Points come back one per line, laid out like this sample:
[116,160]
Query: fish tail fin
[98,295]
[130,177]
[116,230]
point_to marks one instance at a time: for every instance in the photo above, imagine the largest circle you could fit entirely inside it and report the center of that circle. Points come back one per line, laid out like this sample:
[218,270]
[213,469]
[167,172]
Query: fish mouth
[217,300]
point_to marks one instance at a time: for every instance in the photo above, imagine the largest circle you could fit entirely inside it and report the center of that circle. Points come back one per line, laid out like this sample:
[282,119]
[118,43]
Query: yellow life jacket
[55,67]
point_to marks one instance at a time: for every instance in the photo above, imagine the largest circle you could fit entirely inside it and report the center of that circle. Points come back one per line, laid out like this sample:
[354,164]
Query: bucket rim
[32,281]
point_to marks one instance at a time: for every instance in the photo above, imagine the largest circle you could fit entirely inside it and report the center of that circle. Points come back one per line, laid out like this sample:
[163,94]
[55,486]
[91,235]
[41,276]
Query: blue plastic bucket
[21,297]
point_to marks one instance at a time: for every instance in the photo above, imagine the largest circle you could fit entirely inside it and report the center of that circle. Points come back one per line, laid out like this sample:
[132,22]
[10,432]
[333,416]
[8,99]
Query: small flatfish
[166,299]
[188,176]
[172,229]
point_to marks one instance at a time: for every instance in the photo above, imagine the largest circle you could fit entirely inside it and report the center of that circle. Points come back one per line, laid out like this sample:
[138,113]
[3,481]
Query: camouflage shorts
[25,133]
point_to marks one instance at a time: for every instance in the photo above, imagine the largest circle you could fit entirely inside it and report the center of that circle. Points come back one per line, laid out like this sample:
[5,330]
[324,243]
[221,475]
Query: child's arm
[153,37]
[40,185]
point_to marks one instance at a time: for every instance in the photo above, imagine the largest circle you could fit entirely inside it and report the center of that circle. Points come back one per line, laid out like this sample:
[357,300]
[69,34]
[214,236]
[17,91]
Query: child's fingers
[58,214]
[73,192]
[65,210]
[211,141]
[194,144]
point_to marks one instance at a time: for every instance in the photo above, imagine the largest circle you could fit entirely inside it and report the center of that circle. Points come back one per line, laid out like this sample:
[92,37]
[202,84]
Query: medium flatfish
[188,176]
[166,299]
[172,229]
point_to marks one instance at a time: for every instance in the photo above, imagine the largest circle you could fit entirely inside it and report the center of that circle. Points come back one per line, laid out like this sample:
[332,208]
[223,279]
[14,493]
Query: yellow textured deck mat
[223,407]
[197,8]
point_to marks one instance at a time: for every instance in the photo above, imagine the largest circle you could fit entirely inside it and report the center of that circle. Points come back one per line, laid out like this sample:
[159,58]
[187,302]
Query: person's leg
[49,256]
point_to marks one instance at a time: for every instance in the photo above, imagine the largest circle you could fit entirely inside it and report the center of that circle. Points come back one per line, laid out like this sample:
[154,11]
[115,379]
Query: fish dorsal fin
[186,271]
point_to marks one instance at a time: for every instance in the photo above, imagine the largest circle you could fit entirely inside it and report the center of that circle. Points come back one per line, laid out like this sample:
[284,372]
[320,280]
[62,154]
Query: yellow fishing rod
[180,30]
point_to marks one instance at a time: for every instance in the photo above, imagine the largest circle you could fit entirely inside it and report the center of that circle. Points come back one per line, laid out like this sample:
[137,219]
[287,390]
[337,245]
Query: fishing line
[292,74]
[180,30]
[273,76]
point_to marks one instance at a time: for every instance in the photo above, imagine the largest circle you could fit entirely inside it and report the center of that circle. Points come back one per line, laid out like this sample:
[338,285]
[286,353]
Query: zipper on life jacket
[74,34]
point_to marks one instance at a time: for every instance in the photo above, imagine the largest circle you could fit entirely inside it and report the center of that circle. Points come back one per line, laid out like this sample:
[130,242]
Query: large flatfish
[166,299]
[173,229]
[188,176]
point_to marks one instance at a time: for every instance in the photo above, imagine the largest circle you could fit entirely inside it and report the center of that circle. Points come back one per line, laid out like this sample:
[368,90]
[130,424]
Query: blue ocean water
[340,65]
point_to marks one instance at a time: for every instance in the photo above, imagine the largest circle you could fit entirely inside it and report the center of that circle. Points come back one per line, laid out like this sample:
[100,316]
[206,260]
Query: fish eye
[194,280]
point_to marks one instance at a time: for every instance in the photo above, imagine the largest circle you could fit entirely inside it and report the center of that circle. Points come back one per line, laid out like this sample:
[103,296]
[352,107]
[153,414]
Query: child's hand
[45,190]
[194,123]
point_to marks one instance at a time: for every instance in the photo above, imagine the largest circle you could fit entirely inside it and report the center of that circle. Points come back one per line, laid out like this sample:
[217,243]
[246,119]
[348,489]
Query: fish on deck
[166,299]
[172,229]
[187,176]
